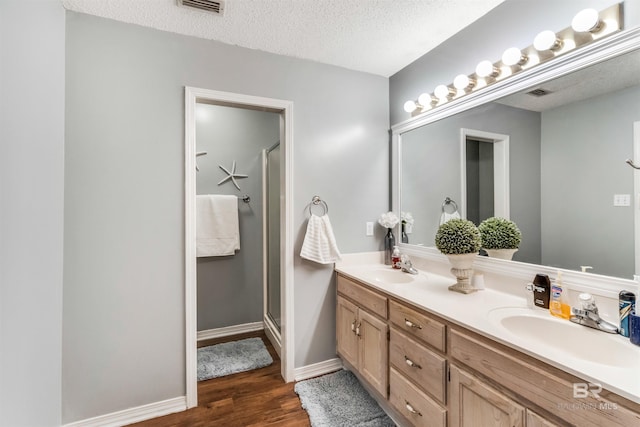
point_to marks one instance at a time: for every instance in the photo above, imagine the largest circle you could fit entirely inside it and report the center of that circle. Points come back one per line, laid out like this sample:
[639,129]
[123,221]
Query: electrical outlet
[369,228]
[621,200]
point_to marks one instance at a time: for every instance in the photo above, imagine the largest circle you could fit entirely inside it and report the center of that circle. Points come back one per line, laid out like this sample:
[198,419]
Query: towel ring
[317,201]
[449,201]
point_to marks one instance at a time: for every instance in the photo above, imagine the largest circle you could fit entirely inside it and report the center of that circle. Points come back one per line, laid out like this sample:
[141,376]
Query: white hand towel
[448,216]
[217,225]
[319,242]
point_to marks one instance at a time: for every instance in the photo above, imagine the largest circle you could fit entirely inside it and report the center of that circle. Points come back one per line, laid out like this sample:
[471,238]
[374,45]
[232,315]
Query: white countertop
[430,292]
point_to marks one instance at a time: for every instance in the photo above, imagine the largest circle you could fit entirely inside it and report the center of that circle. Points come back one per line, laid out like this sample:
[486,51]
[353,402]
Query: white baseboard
[230,330]
[317,369]
[134,415]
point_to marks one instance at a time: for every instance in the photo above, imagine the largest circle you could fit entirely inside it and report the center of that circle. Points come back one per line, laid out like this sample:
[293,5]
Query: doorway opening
[284,239]
[485,175]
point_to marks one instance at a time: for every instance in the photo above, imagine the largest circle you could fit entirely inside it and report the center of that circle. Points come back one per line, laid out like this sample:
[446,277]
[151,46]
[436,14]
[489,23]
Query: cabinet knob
[410,409]
[410,324]
[411,363]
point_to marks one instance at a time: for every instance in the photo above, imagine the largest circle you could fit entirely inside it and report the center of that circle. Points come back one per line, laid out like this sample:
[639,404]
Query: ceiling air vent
[213,6]
[539,92]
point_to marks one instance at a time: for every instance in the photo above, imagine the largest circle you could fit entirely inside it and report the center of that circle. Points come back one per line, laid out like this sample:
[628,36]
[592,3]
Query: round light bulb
[410,106]
[425,99]
[546,40]
[586,20]
[442,92]
[486,69]
[463,82]
[513,56]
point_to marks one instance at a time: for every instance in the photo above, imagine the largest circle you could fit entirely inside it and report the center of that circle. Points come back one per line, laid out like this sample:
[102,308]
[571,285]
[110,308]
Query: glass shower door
[273,234]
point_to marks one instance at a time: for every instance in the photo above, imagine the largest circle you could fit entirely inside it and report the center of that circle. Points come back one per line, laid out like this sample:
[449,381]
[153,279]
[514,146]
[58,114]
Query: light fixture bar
[587,26]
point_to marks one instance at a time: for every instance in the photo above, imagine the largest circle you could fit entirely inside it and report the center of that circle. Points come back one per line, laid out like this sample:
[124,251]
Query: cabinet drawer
[424,367]
[415,323]
[365,298]
[413,404]
[534,381]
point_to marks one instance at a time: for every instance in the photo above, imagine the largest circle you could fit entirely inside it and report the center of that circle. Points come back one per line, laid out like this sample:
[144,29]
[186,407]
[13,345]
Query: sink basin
[581,342]
[389,276]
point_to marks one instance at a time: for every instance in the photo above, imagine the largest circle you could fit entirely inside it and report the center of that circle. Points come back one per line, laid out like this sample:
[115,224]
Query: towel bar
[317,201]
[449,201]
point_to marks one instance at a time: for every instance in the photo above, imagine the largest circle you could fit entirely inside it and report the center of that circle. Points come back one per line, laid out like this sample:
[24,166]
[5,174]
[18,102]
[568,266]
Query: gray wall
[512,23]
[31,209]
[584,145]
[431,155]
[230,287]
[123,297]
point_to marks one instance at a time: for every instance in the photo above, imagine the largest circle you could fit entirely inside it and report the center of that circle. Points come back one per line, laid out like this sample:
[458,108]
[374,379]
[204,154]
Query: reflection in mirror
[569,189]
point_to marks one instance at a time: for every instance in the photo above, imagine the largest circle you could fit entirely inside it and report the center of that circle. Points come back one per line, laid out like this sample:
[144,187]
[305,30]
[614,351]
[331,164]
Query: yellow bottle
[558,305]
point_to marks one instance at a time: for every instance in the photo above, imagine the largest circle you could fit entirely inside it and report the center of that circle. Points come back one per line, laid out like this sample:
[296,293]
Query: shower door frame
[271,326]
[285,109]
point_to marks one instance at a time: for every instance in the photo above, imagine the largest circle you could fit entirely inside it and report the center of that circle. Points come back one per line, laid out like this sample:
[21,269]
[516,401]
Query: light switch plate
[369,228]
[621,200]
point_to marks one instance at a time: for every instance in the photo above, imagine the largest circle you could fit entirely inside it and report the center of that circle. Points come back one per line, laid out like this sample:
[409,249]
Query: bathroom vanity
[439,358]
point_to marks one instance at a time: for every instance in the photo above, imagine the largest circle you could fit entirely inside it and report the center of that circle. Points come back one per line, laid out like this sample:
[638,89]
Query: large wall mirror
[546,149]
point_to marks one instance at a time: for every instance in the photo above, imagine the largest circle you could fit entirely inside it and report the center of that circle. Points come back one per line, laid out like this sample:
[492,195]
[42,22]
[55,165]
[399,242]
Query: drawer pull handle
[410,324]
[410,409]
[353,326]
[412,363]
[358,329]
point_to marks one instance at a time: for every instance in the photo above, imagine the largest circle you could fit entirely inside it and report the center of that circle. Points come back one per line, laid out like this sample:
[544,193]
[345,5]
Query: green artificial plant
[458,236]
[499,233]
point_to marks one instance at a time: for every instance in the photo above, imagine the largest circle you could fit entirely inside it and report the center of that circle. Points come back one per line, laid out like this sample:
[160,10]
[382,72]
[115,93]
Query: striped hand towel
[319,242]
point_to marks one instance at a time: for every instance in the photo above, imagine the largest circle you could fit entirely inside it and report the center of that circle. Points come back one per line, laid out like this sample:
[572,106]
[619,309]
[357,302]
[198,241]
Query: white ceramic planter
[462,268]
[501,253]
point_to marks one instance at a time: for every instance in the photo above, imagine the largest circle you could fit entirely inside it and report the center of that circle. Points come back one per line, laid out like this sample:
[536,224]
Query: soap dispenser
[541,290]
[395,258]
[558,305]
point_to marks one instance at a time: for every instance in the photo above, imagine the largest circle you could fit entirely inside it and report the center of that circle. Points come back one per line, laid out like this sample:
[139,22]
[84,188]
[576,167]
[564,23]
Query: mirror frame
[610,47]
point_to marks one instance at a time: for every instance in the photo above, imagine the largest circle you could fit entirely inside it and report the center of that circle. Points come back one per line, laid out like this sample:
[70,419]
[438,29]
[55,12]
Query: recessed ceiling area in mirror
[569,189]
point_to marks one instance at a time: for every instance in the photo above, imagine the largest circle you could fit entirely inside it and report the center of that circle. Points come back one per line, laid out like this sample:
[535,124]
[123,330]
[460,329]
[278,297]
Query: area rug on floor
[232,357]
[338,399]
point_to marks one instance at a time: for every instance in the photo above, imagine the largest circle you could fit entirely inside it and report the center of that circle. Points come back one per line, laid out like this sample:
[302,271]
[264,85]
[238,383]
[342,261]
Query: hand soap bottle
[558,305]
[395,258]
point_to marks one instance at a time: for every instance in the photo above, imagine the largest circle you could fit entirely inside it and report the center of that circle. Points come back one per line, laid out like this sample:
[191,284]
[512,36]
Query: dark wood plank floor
[255,398]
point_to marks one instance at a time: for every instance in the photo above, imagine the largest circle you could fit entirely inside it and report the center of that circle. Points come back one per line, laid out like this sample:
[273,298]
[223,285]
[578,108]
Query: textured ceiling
[599,79]
[375,36]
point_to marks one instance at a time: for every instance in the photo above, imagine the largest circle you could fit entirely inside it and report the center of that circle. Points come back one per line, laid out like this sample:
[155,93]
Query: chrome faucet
[406,265]
[588,315]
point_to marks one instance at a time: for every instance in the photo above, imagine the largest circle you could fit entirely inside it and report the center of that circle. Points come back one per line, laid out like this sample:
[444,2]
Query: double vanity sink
[609,360]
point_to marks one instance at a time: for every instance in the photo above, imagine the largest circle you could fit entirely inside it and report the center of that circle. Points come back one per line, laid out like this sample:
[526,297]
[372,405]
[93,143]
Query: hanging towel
[448,216]
[319,243]
[217,226]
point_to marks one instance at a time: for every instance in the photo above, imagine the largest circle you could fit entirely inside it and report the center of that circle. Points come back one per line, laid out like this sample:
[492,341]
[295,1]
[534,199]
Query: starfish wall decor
[231,175]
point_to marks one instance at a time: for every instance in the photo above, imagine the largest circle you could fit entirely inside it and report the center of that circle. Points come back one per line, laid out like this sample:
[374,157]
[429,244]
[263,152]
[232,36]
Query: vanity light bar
[586,27]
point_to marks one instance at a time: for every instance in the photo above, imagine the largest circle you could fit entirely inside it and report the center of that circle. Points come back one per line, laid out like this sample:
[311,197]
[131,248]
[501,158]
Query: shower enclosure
[272,238]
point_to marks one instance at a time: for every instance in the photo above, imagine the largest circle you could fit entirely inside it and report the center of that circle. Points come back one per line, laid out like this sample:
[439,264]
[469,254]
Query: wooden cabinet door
[373,353]
[535,420]
[476,404]
[346,326]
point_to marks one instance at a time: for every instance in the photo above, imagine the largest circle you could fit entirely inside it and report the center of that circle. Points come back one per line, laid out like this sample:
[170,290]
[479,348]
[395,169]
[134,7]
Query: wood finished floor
[255,398]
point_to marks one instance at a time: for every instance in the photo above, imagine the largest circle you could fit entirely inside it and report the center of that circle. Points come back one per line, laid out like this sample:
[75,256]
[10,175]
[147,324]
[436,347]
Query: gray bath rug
[232,357]
[337,400]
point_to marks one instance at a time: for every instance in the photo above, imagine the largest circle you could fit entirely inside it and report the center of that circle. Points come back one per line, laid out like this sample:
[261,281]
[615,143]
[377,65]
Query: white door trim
[500,170]
[285,108]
